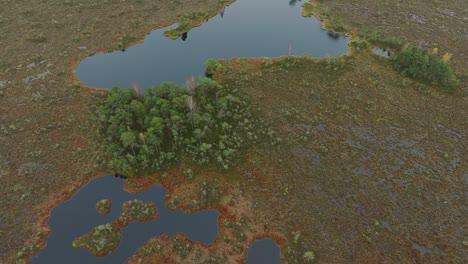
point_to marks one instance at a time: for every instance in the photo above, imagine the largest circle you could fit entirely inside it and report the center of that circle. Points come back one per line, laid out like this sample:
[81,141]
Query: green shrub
[212,66]
[183,26]
[421,64]
[181,247]
[103,206]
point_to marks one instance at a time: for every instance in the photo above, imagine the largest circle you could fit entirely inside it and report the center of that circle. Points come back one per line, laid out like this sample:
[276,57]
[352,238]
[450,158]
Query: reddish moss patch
[137,210]
[137,185]
[101,241]
[104,206]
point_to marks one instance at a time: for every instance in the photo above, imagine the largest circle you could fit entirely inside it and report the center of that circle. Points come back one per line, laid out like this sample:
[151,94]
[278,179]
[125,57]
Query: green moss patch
[104,206]
[100,241]
[309,9]
[137,210]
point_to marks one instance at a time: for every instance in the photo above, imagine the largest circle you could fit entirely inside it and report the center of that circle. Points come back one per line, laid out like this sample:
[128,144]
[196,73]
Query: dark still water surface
[78,216]
[264,251]
[247,28]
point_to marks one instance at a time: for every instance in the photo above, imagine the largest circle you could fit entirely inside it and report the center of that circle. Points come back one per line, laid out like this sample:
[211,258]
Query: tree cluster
[425,65]
[144,133]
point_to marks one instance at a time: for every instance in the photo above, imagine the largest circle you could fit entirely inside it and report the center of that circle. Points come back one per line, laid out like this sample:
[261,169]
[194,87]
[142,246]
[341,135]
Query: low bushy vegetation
[210,193]
[154,246]
[181,246]
[212,66]
[104,206]
[424,65]
[182,27]
[144,133]
[297,251]
[101,241]
[137,210]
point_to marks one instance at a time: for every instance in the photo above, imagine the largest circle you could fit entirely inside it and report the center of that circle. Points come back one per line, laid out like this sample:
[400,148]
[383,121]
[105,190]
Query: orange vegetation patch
[237,229]
[137,185]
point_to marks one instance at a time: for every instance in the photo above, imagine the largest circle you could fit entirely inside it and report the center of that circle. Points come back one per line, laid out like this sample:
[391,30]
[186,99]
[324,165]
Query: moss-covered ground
[101,240]
[372,163]
[136,210]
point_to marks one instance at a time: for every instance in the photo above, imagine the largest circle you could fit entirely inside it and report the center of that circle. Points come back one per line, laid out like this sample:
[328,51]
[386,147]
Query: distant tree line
[144,133]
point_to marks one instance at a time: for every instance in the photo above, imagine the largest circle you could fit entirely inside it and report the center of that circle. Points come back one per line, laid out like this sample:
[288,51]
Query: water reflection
[334,35]
[245,32]
[222,13]
[293,2]
[120,176]
[184,36]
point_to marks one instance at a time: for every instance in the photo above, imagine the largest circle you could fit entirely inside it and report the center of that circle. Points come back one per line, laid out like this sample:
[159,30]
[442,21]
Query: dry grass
[430,23]
[372,163]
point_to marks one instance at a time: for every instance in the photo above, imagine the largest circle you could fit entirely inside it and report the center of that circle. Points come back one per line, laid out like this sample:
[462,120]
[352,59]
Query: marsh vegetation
[103,206]
[100,241]
[136,210]
[206,123]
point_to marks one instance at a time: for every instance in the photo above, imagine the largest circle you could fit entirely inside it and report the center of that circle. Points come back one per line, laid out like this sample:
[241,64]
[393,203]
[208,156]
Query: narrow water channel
[247,28]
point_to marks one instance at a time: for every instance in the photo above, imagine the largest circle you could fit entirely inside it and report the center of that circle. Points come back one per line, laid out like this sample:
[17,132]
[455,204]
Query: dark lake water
[247,28]
[78,216]
[264,251]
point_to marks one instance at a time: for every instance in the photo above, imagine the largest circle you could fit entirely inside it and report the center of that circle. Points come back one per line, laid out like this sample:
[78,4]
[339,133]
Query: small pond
[247,28]
[78,216]
[264,251]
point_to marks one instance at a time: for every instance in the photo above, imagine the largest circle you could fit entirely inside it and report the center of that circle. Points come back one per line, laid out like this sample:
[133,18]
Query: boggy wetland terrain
[353,162]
